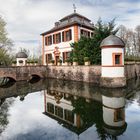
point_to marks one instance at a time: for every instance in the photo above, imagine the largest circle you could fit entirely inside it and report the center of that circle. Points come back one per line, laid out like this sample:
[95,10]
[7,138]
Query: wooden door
[56,59]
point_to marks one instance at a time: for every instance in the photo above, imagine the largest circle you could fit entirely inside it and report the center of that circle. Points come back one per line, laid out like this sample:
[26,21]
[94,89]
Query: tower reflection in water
[103,110]
[114,113]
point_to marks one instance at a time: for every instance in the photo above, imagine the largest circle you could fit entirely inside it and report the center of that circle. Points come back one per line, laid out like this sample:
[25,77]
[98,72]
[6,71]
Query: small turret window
[117,58]
[119,115]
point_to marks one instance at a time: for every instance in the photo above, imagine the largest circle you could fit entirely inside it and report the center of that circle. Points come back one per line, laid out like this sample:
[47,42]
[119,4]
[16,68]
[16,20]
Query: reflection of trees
[4,108]
[91,113]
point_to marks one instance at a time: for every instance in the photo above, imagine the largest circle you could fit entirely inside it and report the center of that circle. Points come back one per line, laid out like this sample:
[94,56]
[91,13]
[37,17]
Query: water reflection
[114,114]
[78,113]
[78,107]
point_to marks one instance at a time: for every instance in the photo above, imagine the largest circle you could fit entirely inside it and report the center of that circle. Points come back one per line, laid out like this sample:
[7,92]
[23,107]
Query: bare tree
[137,29]
[131,39]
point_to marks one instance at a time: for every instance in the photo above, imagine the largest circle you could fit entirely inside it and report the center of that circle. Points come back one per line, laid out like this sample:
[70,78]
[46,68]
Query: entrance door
[56,59]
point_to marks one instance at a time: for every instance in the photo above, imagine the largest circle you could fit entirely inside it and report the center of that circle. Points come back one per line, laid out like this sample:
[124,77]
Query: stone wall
[90,74]
[75,73]
[132,70]
[87,73]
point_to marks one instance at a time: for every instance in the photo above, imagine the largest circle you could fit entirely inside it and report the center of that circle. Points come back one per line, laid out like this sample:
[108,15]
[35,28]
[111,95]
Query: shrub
[75,60]
[31,61]
[28,61]
[60,61]
[67,60]
[35,61]
[86,59]
[52,61]
[14,62]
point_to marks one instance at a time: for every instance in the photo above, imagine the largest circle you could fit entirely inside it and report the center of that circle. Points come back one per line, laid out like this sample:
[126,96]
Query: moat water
[62,110]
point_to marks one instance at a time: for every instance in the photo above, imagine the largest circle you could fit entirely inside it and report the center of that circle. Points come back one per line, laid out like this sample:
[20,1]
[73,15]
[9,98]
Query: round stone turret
[21,58]
[112,74]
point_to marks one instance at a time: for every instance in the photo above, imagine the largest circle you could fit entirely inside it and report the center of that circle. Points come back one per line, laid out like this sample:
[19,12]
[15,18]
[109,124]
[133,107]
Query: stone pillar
[112,53]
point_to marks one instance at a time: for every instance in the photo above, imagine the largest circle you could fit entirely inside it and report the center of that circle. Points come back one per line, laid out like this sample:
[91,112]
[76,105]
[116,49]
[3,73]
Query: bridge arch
[34,78]
[5,81]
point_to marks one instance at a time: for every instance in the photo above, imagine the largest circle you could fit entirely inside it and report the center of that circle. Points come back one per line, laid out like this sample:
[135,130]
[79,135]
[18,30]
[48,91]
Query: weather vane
[74,8]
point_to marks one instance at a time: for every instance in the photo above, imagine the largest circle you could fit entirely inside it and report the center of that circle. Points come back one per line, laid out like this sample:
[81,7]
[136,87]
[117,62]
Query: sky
[27,19]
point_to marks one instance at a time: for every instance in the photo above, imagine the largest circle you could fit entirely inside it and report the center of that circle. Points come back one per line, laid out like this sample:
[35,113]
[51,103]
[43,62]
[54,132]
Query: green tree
[4,113]
[5,44]
[90,47]
[5,58]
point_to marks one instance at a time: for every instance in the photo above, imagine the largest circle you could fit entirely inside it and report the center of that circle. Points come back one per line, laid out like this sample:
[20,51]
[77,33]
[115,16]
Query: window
[68,35]
[53,39]
[91,34]
[59,111]
[63,37]
[119,115]
[69,116]
[63,57]
[117,58]
[58,38]
[48,58]
[50,108]
[85,33]
[48,40]
[66,55]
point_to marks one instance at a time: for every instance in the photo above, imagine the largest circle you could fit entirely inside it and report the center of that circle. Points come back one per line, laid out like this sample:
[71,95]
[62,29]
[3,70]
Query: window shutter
[63,36]
[70,34]
[53,39]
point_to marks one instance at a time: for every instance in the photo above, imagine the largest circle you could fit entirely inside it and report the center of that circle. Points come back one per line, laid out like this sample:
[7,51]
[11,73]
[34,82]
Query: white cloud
[26,19]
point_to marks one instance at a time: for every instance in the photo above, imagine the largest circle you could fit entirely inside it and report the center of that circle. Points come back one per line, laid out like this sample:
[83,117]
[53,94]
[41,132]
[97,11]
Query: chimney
[57,24]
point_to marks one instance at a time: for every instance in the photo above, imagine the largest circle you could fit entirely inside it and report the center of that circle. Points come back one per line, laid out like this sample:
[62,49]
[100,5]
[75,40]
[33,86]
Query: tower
[112,53]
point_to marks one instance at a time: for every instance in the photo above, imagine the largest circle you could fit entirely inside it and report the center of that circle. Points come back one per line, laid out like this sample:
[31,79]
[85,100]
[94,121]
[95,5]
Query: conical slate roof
[112,40]
[21,55]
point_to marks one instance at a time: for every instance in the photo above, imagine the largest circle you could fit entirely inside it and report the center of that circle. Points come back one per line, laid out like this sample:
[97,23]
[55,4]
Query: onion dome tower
[21,58]
[112,52]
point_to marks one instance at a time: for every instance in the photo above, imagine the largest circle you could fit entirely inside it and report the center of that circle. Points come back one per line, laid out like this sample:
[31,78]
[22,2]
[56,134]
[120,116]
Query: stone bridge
[20,73]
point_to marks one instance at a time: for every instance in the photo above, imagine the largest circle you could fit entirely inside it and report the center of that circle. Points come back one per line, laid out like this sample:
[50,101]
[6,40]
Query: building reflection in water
[77,106]
[78,113]
[58,106]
